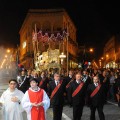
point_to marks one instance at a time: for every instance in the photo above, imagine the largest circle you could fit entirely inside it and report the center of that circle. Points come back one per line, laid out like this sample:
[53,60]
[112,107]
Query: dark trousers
[57,112]
[77,112]
[68,98]
[100,112]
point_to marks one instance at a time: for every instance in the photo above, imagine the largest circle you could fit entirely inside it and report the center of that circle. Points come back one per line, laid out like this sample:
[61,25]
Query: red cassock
[37,97]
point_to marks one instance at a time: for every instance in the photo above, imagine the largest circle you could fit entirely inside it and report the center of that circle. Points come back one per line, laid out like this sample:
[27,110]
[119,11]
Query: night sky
[96,22]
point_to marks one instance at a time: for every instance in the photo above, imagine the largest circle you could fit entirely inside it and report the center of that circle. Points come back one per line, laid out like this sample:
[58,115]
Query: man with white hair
[56,92]
[77,93]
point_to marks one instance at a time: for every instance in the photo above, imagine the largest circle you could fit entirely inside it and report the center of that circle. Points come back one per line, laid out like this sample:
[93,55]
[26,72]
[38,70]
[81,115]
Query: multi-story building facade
[112,52]
[50,21]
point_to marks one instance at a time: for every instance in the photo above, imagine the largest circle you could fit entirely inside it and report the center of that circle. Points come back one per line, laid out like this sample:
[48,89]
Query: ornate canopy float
[49,49]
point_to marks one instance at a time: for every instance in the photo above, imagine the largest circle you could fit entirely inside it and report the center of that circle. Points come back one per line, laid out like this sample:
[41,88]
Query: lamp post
[107,57]
[100,63]
[87,54]
[67,54]
[62,57]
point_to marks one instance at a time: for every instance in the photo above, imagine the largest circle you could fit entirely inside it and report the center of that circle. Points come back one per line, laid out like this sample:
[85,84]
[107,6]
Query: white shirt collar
[57,81]
[96,84]
[78,81]
[70,76]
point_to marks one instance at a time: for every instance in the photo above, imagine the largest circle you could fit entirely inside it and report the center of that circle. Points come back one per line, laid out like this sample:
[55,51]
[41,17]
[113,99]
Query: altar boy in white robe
[10,101]
[35,101]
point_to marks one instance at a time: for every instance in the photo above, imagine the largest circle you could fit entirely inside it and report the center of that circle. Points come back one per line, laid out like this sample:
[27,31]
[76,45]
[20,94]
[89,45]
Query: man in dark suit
[96,98]
[68,80]
[56,90]
[85,78]
[77,91]
[104,79]
[23,82]
[43,81]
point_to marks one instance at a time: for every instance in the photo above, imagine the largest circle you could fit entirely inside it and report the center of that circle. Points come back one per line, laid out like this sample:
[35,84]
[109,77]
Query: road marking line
[112,103]
[65,116]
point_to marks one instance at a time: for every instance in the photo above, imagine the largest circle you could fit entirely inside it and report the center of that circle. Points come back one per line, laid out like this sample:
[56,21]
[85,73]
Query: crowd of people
[35,92]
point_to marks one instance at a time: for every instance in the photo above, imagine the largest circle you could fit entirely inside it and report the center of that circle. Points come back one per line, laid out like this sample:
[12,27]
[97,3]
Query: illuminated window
[24,44]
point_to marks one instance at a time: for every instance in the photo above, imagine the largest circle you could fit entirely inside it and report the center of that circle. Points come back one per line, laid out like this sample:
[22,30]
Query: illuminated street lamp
[62,57]
[107,55]
[100,63]
[91,50]
[8,50]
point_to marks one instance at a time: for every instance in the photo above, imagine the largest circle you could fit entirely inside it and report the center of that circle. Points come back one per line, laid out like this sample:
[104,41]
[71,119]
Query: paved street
[112,112]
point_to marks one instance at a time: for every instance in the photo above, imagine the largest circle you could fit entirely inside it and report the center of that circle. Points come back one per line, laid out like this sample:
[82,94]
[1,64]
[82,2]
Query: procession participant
[106,82]
[11,102]
[85,78]
[23,82]
[96,98]
[56,90]
[21,77]
[35,101]
[68,80]
[43,81]
[77,91]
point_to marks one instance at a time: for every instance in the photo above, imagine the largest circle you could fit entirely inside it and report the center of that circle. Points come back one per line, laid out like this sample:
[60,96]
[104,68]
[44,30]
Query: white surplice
[11,110]
[26,104]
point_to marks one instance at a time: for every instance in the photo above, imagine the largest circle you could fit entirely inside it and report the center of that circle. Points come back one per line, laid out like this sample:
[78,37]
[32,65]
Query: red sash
[56,89]
[41,82]
[95,91]
[67,86]
[77,89]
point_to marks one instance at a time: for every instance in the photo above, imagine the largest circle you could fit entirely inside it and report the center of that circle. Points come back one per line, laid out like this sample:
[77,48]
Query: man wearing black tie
[96,98]
[56,90]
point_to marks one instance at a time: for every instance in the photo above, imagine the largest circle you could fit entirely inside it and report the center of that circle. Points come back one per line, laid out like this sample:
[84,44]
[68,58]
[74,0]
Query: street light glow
[8,50]
[5,56]
[62,56]
[91,49]
[107,55]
